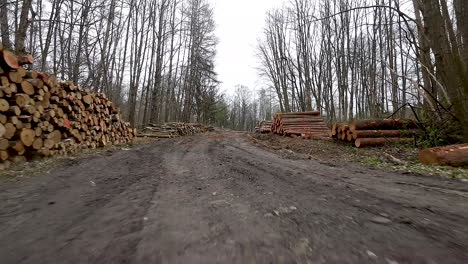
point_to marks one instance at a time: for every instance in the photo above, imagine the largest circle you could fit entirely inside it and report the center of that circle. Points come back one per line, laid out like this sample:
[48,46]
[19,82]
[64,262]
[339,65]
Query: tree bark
[20,36]
[5,28]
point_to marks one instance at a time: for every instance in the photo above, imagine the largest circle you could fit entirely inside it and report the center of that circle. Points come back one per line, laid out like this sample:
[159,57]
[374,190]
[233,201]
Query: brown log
[382,124]
[384,133]
[38,131]
[22,100]
[36,117]
[48,144]
[13,88]
[27,136]
[10,131]
[21,71]
[32,124]
[300,132]
[341,127]
[375,142]
[38,143]
[55,136]
[3,119]
[32,75]
[18,146]
[38,83]
[4,155]
[4,81]
[14,110]
[27,88]
[8,90]
[14,120]
[4,105]
[320,124]
[30,109]
[454,155]
[316,137]
[311,113]
[334,130]
[306,128]
[2,130]
[343,136]
[14,77]
[4,144]
[316,123]
[9,59]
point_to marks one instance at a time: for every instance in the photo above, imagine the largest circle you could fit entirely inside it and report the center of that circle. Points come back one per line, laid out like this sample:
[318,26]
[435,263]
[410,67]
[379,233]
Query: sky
[239,25]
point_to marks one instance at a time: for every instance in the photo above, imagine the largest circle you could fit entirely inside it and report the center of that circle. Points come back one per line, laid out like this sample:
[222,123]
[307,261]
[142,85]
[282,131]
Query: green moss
[418,168]
[373,161]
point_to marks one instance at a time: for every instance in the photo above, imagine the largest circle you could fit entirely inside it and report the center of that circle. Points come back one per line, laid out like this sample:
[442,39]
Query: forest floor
[227,197]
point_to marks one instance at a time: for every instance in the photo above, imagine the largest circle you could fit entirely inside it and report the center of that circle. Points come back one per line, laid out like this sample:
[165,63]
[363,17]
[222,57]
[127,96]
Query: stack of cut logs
[376,132]
[265,127]
[309,125]
[40,116]
[173,130]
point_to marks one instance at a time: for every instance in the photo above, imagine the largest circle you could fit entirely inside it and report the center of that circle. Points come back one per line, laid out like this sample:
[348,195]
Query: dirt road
[220,199]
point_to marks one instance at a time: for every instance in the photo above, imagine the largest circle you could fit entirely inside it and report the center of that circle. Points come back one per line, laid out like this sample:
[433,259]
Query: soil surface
[218,198]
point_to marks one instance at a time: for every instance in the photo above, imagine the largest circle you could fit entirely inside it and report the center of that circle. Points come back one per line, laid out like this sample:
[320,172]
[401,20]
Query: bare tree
[368,58]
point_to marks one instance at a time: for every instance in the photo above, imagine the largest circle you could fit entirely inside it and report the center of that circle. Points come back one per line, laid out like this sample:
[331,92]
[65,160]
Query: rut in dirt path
[219,199]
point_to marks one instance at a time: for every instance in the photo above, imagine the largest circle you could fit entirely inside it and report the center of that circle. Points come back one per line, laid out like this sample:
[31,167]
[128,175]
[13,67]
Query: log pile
[454,155]
[375,132]
[265,127]
[40,116]
[307,124]
[173,130]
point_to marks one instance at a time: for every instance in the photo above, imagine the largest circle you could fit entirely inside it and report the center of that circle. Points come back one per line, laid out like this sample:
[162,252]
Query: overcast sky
[239,25]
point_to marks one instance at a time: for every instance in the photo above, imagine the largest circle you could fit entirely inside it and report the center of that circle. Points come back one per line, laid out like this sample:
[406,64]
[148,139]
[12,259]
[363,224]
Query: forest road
[219,198]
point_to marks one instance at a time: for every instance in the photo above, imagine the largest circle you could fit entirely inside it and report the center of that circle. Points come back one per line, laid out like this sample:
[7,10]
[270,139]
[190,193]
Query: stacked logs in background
[307,124]
[265,127]
[173,130]
[375,132]
[40,116]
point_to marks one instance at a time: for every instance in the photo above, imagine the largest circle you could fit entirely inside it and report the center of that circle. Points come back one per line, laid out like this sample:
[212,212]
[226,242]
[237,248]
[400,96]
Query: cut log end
[27,136]
[9,59]
[27,88]
[4,105]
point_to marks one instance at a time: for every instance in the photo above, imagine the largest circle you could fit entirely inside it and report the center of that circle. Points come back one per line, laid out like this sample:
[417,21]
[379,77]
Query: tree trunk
[5,29]
[20,37]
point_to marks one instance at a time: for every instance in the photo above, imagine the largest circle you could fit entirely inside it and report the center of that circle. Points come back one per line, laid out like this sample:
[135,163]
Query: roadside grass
[373,161]
[418,168]
[46,164]
[400,158]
